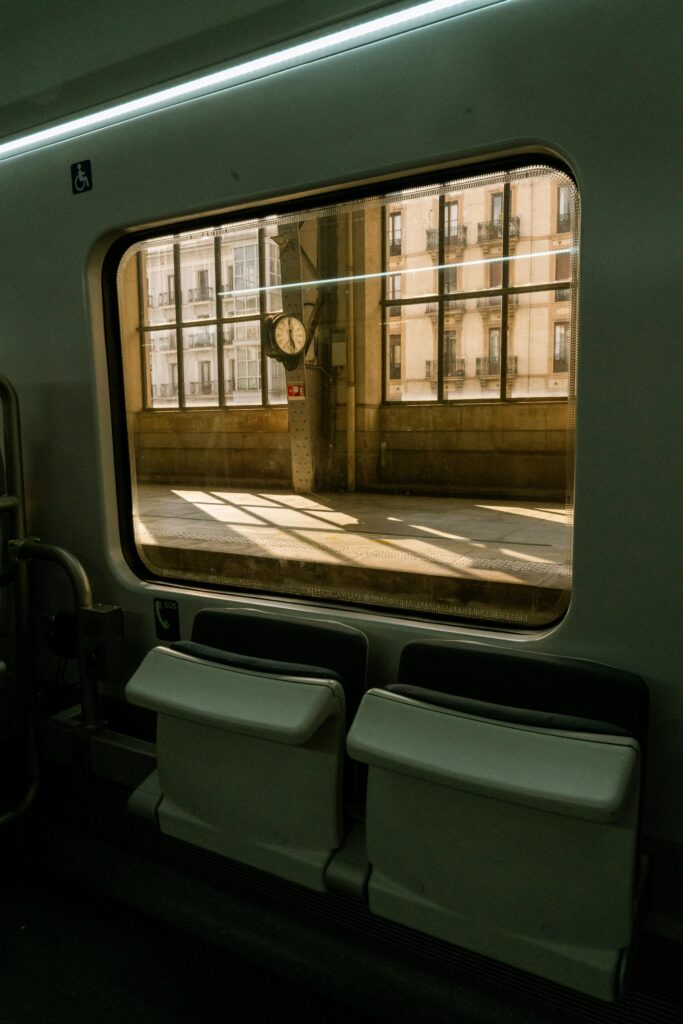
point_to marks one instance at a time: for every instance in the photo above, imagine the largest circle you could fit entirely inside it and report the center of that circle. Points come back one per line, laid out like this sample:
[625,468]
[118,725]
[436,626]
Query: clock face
[289,335]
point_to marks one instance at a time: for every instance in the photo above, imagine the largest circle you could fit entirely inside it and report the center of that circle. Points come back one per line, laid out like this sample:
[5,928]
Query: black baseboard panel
[329,944]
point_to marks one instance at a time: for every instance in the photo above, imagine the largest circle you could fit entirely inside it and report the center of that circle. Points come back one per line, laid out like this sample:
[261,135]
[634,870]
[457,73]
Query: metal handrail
[20,549]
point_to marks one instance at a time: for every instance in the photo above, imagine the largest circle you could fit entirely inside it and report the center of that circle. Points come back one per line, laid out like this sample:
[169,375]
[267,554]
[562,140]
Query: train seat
[256,632]
[507,829]
[250,749]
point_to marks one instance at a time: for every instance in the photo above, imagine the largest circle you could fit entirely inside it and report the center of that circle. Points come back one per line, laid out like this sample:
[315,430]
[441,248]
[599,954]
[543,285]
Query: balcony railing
[562,294]
[199,294]
[452,307]
[197,387]
[492,302]
[453,368]
[205,340]
[395,247]
[166,299]
[491,230]
[455,235]
[163,345]
[488,367]
[164,390]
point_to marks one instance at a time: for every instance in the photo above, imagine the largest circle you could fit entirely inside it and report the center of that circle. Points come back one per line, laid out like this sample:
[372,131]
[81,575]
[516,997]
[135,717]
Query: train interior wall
[274,136]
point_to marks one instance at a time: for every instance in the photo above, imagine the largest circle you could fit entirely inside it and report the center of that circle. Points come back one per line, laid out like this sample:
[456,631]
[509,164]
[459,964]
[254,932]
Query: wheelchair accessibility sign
[81,177]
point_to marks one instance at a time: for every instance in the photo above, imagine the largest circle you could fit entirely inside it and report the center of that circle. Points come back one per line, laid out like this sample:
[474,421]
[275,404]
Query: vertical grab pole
[14,471]
[14,504]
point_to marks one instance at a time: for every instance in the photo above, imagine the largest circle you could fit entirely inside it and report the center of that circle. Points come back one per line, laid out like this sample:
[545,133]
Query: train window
[368,402]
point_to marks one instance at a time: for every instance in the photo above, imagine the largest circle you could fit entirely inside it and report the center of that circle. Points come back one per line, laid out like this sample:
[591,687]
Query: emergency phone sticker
[296,392]
[166,619]
[81,177]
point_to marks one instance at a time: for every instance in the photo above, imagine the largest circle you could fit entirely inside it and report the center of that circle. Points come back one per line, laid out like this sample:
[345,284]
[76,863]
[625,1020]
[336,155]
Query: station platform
[507,541]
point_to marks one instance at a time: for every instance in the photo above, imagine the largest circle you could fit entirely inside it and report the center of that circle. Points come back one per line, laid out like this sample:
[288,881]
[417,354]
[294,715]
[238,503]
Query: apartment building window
[246,278]
[395,228]
[564,210]
[202,290]
[563,272]
[167,297]
[494,350]
[248,360]
[395,357]
[561,348]
[450,368]
[451,220]
[205,376]
[394,294]
[491,230]
[450,279]
[495,272]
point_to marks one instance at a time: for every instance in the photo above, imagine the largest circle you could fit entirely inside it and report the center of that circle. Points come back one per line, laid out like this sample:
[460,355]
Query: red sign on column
[295,392]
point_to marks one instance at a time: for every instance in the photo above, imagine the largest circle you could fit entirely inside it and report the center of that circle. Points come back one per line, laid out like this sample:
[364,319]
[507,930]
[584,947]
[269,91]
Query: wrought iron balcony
[454,235]
[199,294]
[488,367]
[166,299]
[452,307]
[203,340]
[491,303]
[197,387]
[164,390]
[562,294]
[492,230]
[395,247]
[163,345]
[454,368]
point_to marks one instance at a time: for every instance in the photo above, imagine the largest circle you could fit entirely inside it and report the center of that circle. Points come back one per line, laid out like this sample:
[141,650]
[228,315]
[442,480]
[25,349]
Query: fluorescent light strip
[395,273]
[229,75]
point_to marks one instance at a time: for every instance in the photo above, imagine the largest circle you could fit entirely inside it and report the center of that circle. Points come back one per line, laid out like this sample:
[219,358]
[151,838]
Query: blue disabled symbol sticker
[81,177]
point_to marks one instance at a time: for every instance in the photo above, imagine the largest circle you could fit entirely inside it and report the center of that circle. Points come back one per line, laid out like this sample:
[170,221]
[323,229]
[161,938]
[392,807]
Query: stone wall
[226,447]
[504,449]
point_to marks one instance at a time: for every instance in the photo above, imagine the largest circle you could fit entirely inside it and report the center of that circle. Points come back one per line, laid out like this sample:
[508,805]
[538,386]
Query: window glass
[409,446]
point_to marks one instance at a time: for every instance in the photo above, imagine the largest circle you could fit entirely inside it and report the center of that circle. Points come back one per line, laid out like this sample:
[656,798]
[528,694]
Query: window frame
[506,233]
[121,453]
[251,268]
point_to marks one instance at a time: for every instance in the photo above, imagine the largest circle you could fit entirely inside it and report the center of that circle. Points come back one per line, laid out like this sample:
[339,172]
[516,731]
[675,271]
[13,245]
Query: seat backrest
[564,693]
[338,648]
